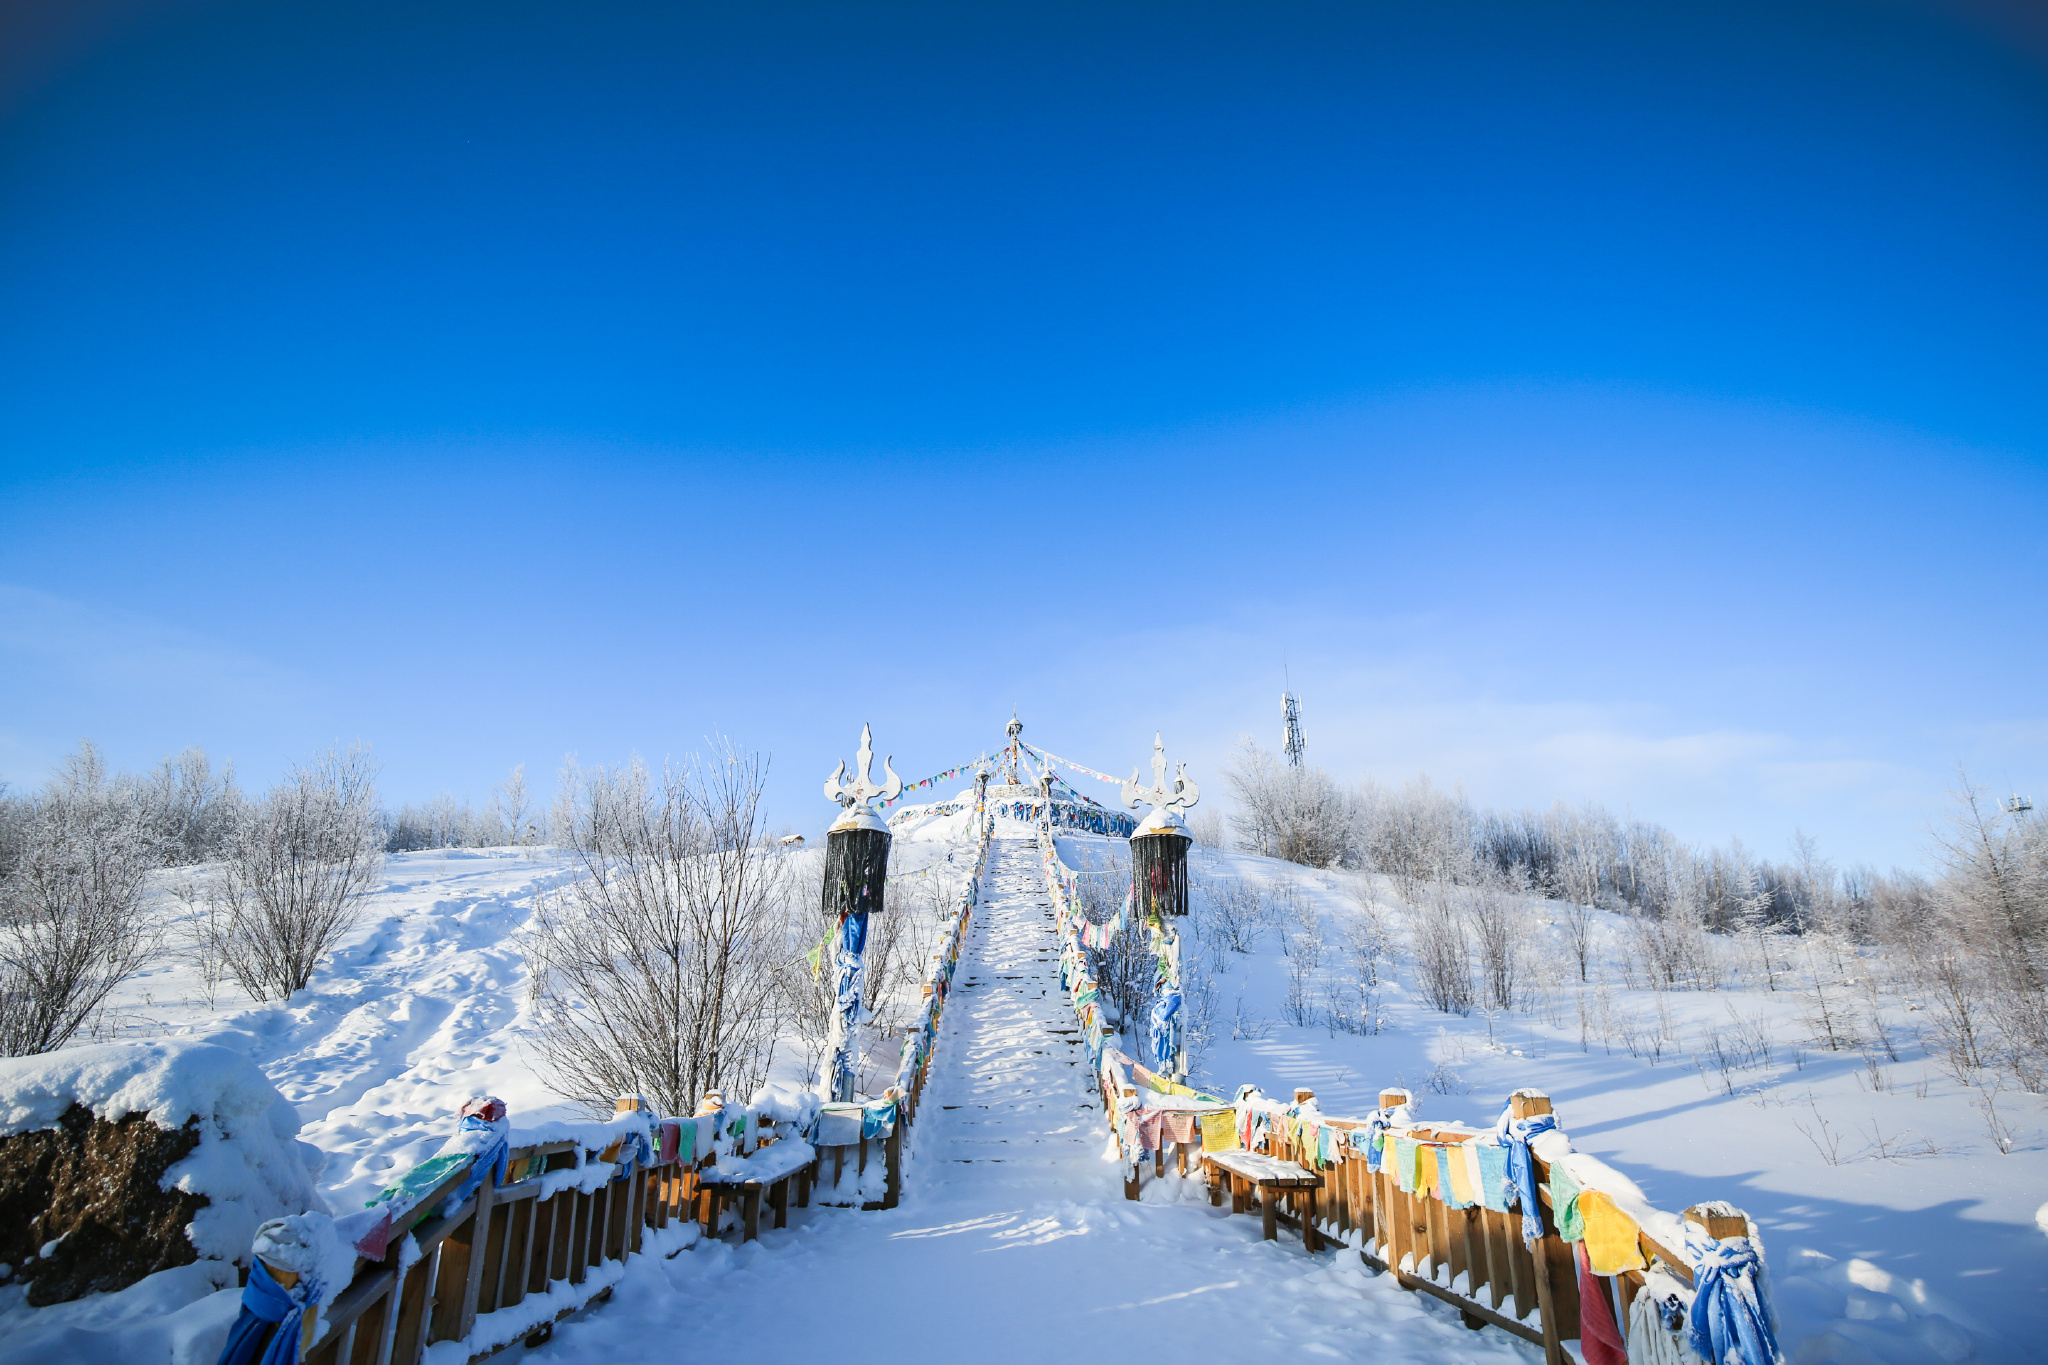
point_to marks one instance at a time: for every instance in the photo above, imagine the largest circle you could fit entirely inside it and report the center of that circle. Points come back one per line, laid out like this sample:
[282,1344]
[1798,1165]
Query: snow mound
[249,1163]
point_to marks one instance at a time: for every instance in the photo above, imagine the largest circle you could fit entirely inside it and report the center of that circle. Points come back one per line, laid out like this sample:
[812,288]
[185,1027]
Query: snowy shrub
[296,871]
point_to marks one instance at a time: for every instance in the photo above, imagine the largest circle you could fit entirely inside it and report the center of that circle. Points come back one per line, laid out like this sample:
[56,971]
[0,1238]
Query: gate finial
[855,795]
[1181,796]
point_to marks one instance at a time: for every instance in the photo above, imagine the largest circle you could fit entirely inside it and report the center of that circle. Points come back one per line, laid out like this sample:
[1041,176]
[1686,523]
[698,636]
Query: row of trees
[284,873]
[511,817]
[1967,945]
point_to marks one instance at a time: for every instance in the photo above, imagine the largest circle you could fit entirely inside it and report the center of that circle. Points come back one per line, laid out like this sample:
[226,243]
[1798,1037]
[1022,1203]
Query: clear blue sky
[1638,402]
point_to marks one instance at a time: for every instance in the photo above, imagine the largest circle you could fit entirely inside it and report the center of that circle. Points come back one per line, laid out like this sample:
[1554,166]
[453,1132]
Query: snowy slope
[1915,1258]
[1934,1257]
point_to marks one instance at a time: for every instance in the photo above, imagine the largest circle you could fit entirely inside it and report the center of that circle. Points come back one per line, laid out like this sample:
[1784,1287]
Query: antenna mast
[1290,716]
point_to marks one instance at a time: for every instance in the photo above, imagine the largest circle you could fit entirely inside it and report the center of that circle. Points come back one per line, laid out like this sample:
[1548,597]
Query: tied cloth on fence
[877,1119]
[261,1335]
[1613,1241]
[486,1135]
[632,1149]
[1219,1131]
[1493,1175]
[1163,1037]
[1599,1337]
[1732,1322]
[1656,1321]
[1564,1203]
[1371,1139]
[1514,1135]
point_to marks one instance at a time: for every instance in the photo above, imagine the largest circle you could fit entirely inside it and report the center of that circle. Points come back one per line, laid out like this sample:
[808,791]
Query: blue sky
[1638,403]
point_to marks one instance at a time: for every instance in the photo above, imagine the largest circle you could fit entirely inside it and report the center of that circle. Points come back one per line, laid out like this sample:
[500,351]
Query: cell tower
[1290,741]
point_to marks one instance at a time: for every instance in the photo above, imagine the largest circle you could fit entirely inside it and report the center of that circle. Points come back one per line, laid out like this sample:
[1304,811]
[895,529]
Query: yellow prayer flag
[1462,1189]
[1611,1235]
[1219,1132]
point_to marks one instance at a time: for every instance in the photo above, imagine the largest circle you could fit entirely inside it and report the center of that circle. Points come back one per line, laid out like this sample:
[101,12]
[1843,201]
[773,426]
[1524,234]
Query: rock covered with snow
[248,1163]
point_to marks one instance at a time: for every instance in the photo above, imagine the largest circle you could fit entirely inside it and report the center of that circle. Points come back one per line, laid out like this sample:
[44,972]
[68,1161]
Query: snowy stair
[1012,1080]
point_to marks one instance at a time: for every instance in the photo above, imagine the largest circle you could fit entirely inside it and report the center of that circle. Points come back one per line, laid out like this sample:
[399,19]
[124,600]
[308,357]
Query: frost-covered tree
[296,870]
[1300,814]
[654,972]
[192,811]
[72,904]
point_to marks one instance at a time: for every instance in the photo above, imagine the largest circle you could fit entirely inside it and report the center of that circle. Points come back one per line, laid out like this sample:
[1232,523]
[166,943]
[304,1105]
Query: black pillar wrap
[856,871]
[1159,872]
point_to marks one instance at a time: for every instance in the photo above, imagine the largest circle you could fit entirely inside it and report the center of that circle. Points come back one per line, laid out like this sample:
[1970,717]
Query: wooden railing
[511,1259]
[1473,1257]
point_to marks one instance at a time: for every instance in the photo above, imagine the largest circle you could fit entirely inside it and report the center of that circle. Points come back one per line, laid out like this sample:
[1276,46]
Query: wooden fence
[511,1259]
[1468,1255]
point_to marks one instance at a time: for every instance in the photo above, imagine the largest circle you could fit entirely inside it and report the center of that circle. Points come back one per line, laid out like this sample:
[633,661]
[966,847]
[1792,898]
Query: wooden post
[517,1269]
[892,1153]
[1719,1220]
[1269,1210]
[1302,1096]
[459,1281]
[579,1239]
[1393,1099]
[551,1246]
[750,1211]
[778,1200]
[1527,1104]
[1133,1166]
[408,1335]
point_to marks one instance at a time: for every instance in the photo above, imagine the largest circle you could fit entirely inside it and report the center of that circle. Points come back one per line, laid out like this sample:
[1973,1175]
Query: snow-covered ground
[1014,1230]
[1938,1253]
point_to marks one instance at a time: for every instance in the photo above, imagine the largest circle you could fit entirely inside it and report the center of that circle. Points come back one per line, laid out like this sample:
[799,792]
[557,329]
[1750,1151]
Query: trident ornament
[854,796]
[1181,796]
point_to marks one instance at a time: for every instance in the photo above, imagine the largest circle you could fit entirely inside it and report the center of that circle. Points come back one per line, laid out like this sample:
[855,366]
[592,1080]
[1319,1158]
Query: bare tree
[1995,896]
[1299,814]
[515,808]
[191,810]
[654,971]
[1443,962]
[1498,914]
[72,924]
[297,869]
[1206,828]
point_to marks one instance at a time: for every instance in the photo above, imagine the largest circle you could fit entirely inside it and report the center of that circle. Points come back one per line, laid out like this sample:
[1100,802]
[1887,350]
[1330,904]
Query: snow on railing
[1506,1222]
[506,1230]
